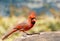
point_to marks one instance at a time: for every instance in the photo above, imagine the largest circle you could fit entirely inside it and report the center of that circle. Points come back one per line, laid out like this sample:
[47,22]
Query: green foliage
[52,27]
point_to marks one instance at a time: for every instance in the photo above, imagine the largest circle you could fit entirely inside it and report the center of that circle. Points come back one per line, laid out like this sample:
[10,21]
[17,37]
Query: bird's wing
[23,25]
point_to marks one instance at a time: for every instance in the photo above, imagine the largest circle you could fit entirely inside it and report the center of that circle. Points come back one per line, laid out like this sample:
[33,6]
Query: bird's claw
[34,33]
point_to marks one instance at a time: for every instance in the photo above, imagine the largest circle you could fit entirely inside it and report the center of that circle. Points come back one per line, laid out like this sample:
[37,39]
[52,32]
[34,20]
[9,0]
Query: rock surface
[44,36]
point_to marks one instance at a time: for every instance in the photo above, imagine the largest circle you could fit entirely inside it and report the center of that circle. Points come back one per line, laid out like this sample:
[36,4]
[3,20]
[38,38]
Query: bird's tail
[14,30]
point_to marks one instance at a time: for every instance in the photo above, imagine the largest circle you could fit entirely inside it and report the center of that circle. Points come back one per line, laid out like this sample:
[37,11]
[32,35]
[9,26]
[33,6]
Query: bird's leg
[27,33]
[32,33]
[24,34]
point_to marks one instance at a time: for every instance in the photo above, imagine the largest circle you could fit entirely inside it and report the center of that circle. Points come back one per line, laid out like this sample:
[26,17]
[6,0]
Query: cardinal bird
[25,25]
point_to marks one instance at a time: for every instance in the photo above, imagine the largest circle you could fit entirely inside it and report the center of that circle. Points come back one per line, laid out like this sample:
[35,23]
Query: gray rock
[44,36]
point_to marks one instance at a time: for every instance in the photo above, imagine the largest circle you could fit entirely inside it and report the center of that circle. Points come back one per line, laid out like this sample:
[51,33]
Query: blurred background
[16,11]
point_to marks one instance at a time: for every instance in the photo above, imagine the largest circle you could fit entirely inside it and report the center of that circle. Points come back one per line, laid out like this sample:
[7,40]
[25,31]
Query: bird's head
[32,17]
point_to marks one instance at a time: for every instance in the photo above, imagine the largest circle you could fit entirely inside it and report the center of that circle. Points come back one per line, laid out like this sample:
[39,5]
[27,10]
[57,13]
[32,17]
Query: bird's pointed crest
[32,14]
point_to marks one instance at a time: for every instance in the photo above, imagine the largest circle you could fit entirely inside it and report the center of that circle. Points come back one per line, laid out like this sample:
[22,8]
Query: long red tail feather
[14,30]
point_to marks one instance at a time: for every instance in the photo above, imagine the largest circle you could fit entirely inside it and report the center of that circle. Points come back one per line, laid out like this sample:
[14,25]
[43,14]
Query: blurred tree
[1,20]
[56,14]
[12,9]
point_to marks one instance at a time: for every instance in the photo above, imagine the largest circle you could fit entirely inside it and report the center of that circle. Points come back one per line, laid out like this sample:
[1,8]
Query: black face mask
[32,21]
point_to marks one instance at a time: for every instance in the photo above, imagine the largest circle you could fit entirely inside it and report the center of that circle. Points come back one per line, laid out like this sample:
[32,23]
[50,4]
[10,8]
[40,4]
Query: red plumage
[24,26]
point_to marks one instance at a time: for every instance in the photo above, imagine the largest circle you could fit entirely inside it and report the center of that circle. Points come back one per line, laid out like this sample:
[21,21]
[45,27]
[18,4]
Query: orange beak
[34,20]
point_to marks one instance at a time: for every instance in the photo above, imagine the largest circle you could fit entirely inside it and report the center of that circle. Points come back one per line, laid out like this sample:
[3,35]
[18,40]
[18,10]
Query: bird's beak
[34,19]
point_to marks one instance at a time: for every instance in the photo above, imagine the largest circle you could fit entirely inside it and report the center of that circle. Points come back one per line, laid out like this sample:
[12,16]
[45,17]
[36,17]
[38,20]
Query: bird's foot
[34,33]
[29,34]
[37,33]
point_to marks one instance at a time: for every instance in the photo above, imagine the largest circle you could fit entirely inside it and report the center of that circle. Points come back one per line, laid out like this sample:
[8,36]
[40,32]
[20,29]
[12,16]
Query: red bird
[24,26]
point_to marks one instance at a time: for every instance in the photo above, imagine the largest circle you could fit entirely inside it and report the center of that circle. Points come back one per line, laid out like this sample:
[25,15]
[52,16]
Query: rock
[44,36]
